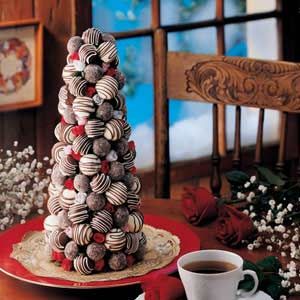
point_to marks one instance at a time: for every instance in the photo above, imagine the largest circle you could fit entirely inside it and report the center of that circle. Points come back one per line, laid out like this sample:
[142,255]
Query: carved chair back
[220,80]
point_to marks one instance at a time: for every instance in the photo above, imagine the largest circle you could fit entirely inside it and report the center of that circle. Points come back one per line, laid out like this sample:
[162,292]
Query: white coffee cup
[217,286]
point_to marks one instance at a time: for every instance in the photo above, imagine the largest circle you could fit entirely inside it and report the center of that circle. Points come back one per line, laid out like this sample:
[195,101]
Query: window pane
[186,11]
[113,16]
[197,41]
[191,122]
[139,95]
[256,39]
[239,7]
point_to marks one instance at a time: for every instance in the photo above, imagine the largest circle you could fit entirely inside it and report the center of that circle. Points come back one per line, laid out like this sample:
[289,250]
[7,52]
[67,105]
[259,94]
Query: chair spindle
[282,142]
[215,179]
[162,156]
[259,138]
[236,160]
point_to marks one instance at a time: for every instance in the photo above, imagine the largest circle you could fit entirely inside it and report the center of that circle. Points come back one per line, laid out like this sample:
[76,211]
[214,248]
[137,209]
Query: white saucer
[258,296]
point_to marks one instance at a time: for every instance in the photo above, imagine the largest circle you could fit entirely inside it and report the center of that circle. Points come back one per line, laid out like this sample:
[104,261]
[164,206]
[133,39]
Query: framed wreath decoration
[21,68]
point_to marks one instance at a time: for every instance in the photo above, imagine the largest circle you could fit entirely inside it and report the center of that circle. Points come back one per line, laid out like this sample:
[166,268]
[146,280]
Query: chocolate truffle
[57,240]
[95,251]
[101,147]
[81,183]
[116,171]
[115,240]
[83,265]
[51,223]
[78,213]
[105,111]
[128,180]
[117,261]
[71,250]
[74,44]
[140,253]
[56,176]
[53,204]
[121,216]
[102,221]
[82,234]
[92,36]
[95,201]
[93,73]
[117,193]
[121,147]
[69,115]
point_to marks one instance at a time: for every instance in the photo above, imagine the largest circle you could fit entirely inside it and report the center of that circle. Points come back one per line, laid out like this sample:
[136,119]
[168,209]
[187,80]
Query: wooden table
[12,289]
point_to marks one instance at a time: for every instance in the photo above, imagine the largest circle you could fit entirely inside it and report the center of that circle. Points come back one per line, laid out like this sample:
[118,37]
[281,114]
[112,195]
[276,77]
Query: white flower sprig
[23,184]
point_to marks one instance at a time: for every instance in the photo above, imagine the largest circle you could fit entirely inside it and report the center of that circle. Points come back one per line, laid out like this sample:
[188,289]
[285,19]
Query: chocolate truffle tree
[95,223]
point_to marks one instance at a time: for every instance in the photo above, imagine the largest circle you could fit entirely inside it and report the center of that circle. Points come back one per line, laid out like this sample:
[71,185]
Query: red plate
[189,241]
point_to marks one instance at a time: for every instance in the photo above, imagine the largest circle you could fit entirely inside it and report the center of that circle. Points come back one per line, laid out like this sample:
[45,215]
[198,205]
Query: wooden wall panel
[17,125]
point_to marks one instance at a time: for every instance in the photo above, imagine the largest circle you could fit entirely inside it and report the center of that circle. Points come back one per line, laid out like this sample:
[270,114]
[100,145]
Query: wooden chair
[220,80]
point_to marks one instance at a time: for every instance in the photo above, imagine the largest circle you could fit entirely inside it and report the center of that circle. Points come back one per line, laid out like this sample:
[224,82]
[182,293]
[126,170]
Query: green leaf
[236,177]
[270,264]
[271,177]
[272,286]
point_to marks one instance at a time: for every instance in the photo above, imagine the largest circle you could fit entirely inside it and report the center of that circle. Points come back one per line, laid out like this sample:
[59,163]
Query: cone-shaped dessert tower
[95,224]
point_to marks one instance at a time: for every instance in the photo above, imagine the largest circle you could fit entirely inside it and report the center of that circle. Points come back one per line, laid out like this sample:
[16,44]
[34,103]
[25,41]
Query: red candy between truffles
[78,130]
[91,91]
[109,207]
[99,238]
[75,155]
[111,72]
[105,166]
[57,256]
[131,145]
[74,56]
[133,170]
[67,264]
[130,260]
[99,265]
[69,184]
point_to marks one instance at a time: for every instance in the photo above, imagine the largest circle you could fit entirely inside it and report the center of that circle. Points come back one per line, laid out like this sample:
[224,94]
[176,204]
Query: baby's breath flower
[247,184]
[252,179]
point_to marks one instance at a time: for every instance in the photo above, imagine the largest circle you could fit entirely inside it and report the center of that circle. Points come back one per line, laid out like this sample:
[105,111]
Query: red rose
[78,130]
[233,226]
[69,184]
[130,260]
[99,238]
[105,166]
[99,265]
[198,205]
[90,91]
[67,264]
[76,156]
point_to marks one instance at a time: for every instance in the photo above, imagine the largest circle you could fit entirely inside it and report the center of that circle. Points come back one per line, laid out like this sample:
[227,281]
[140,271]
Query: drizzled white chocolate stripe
[68,72]
[132,242]
[107,51]
[92,36]
[82,234]
[114,130]
[94,128]
[107,87]
[117,193]
[82,144]
[135,221]
[87,53]
[133,201]
[67,198]
[100,183]
[115,240]
[53,205]
[57,151]
[102,221]
[68,166]
[83,265]
[77,86]
[83,106]
[78,213]
[89,164]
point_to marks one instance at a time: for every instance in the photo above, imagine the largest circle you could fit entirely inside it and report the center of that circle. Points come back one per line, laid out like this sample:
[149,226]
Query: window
[230,27]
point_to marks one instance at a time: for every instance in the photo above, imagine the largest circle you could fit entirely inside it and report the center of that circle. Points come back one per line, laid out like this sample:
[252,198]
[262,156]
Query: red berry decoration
[105,166]
[54,256]
[91,91]
[130,260]
[131,145]
[99,237]
[111,72]
[78,130]
[99,265]
[76,156]
[67,264]
[69,184]
[74,56]
[63,121]
[60,256]
[133,170]
[109,207]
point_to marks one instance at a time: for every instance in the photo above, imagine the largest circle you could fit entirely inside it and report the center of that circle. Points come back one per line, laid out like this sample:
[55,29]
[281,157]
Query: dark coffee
[209,267]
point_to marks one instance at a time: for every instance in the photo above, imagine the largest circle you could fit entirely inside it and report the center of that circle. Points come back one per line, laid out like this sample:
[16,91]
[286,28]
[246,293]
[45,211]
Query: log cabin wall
[61,19]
